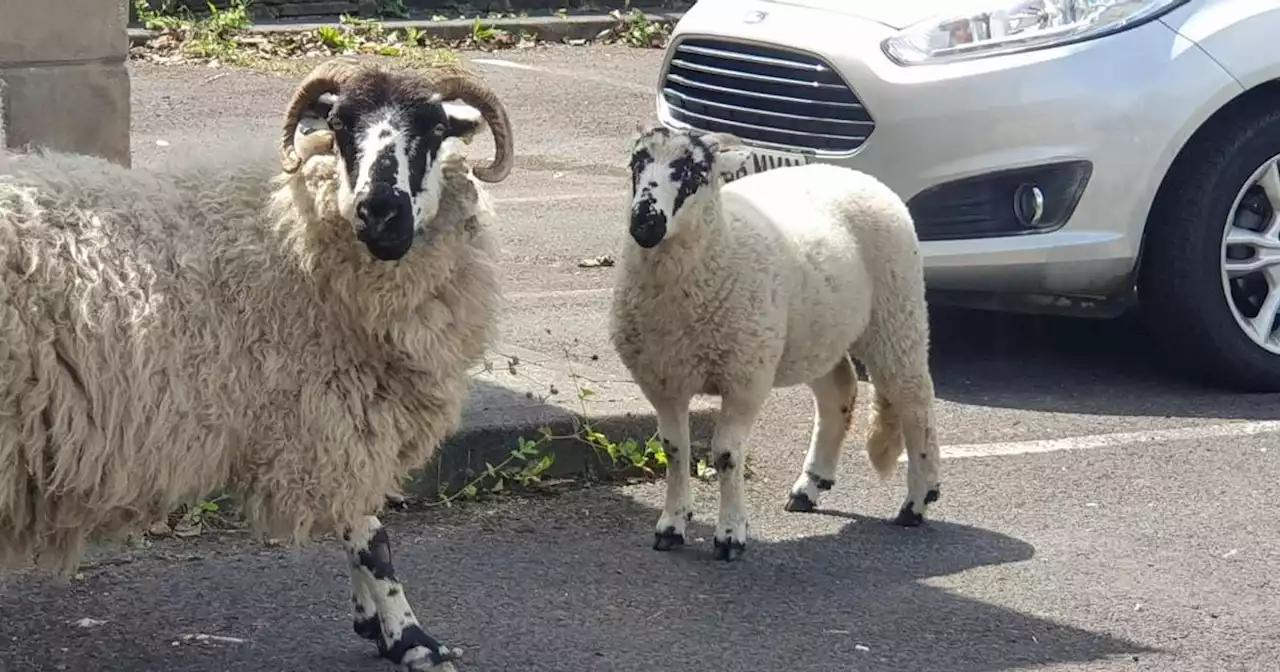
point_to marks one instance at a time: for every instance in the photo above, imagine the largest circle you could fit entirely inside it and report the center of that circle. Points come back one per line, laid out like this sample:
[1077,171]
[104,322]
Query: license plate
[766,159]
[763,159]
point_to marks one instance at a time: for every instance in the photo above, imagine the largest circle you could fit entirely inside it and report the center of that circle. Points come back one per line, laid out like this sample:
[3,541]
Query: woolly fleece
[790,268]
[168,333]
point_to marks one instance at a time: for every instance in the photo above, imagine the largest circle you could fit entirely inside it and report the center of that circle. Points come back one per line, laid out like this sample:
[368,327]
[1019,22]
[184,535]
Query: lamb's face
[389,133]
[671,171]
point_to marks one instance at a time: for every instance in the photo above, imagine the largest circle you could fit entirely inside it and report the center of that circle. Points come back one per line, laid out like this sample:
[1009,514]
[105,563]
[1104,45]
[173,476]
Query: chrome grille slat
[697,67]
[736,56]
[754,127]
[769,113]
[767,95]
[684,81]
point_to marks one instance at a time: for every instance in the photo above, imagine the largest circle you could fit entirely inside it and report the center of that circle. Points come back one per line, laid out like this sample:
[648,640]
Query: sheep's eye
[336,124]
[438,131]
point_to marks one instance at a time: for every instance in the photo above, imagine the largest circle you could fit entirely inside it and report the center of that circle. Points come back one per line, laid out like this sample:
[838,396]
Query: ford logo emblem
[754,17]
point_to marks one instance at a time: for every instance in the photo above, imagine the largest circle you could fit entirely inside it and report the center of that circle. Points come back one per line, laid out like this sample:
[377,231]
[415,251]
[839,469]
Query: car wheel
[1209,285]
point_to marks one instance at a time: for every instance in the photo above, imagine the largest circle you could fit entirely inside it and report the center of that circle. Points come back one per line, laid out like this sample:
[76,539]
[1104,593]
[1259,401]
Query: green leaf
[497,487]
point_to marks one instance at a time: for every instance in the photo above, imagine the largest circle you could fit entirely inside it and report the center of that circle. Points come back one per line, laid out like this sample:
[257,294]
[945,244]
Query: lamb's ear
[465,121]
[730,158]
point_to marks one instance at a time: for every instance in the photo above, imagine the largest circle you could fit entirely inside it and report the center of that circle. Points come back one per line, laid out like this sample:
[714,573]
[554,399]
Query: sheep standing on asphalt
[299,339]
[734,287]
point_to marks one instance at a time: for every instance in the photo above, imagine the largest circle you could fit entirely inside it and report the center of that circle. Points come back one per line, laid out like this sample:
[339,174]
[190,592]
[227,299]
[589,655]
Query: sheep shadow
[496,414]
[1070,365]
[566,583]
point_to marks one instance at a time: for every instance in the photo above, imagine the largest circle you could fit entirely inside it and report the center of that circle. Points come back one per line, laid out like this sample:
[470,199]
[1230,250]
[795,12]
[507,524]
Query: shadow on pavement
[563,583]
[1070,365]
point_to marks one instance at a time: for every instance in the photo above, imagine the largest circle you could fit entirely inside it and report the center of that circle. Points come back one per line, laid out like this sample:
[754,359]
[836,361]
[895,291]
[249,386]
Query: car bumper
[1121,103]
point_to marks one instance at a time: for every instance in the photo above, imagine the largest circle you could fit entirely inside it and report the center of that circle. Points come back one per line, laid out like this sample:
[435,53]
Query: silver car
[1065,156]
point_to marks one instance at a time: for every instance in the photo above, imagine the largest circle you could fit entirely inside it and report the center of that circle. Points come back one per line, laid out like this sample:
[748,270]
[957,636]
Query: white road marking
[562,197]
[1089,442]
[562,293]
[502,63]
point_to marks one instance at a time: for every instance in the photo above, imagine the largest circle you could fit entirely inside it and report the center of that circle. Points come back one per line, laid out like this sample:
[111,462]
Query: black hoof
[799,502]
[667,540]
[728,551]
[368,628]
[907,516]
[411,638]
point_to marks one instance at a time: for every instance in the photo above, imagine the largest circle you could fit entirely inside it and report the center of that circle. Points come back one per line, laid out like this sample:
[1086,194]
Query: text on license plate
[762,160]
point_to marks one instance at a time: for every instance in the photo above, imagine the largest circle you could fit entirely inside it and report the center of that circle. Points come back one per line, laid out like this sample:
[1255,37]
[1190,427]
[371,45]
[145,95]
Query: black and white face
[670,170]
[389,134]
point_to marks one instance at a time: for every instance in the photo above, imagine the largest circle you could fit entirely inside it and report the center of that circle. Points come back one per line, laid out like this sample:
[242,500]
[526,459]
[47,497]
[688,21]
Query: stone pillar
[63,81]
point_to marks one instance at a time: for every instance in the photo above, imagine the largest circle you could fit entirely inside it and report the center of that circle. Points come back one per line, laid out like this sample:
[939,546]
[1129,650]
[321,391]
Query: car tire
[1180,282]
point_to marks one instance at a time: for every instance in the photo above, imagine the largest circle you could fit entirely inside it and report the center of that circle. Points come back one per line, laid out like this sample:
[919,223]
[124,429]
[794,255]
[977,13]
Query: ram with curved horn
[389,130]
[293,324]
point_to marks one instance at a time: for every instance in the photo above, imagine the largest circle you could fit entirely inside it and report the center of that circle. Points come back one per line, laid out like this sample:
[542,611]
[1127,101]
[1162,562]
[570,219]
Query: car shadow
[1070,365]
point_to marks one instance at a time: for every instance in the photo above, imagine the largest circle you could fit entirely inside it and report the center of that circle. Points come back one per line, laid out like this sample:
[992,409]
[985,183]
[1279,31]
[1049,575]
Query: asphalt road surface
[1097,513]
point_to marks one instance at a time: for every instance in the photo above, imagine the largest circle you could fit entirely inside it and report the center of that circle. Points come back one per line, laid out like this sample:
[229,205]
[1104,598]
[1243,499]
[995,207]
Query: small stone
[185,529]
[160,529]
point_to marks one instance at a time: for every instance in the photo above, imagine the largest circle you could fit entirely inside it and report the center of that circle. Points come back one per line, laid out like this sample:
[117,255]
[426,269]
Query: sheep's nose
[648,225]
[385,223]
[377,210]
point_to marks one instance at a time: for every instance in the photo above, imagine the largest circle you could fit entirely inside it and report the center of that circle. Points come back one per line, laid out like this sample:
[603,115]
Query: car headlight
[991,27]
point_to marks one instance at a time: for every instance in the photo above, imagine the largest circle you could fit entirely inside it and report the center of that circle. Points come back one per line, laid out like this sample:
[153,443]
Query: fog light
[1012,202]
[1028,205]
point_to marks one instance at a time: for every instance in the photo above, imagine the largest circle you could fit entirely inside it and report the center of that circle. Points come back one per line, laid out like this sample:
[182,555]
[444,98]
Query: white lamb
[734,287]
[299,339]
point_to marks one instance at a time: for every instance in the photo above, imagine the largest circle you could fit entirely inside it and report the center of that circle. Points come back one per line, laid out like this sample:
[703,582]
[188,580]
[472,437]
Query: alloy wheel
[1251,256]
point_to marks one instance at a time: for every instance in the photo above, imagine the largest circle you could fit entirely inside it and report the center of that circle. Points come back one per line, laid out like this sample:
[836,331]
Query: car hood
[897,14]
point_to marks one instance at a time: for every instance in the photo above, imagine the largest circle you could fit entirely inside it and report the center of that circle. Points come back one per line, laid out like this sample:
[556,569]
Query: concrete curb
[547,28]
[462,458]
[503,408]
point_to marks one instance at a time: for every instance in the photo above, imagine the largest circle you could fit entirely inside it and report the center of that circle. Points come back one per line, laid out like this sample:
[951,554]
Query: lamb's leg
[924,460]
[374,585]
[677,511]
[834,397]
[738,411]
[907,401]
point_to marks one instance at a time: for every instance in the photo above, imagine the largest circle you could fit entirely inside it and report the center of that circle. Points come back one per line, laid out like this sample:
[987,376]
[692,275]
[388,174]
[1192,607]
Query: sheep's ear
[636,133]
[731,161]
[465,121]
[322,106]
[313,135]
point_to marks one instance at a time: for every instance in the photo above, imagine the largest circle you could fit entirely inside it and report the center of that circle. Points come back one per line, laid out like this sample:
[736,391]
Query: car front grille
[768,95]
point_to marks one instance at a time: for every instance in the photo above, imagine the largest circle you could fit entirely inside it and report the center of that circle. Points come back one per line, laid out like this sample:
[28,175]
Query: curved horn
[327,77]
[470,90]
